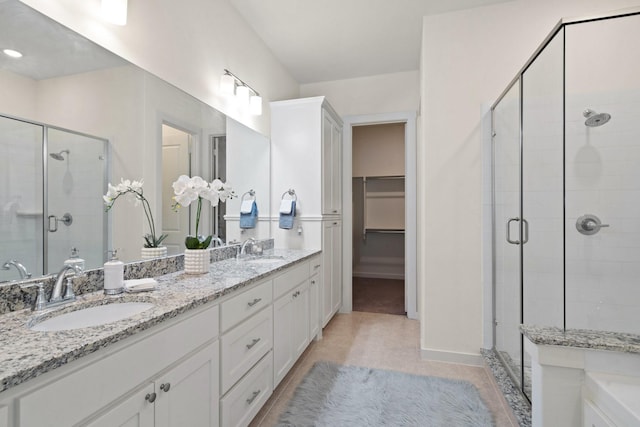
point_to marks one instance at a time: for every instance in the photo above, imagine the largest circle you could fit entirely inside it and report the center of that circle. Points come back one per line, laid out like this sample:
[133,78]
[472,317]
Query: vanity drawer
[243,346]
[238,308]
[315,265]
[290,279]
[244,400]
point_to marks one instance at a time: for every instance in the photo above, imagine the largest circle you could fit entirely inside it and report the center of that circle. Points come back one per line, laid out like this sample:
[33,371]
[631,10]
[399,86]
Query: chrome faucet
[250,241]
[56,293]
[22,270]
[218,240]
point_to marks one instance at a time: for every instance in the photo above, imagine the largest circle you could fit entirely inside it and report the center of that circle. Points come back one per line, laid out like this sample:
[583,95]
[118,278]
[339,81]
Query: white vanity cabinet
[246,358]
[290,319]
[175,364]
[185,395]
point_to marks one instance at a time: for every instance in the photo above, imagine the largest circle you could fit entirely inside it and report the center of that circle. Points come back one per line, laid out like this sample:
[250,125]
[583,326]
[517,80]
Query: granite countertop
[582,338]
[27,354]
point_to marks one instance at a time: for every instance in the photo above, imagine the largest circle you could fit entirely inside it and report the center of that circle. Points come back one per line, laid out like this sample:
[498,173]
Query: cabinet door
[327,164]
[336,266]
[327,277]
[136,411]
[300,321]
[188,394]
[336,169]
[314,312]
[282,339]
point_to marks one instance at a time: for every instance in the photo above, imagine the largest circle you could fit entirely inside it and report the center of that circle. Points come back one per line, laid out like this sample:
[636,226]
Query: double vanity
[203,350]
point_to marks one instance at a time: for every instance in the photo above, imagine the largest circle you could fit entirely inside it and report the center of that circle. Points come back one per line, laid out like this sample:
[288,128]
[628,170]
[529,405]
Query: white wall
[385,93]
[187,43]
[17,94]
[468,58]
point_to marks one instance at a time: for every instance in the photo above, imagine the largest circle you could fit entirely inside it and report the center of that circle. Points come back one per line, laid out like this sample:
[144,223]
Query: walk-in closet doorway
[380,191]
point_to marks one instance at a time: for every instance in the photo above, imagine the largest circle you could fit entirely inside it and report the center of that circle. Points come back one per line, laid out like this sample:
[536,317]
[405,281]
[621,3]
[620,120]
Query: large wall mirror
[73,117]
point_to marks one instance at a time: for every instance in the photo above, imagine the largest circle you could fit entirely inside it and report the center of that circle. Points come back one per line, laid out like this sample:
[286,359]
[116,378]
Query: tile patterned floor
[380,341]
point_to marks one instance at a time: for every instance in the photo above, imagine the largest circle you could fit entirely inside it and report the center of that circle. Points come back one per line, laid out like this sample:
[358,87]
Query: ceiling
[323,40]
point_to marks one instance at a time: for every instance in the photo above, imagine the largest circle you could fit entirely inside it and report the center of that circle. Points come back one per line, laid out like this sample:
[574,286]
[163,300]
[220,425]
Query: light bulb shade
[255,105]
[115,11]
[242,93]
[227,84]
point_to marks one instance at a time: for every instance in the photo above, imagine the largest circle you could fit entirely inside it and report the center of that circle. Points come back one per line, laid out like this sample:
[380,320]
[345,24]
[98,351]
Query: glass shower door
[506,229]
[76,181]
[21,206]
[542,194]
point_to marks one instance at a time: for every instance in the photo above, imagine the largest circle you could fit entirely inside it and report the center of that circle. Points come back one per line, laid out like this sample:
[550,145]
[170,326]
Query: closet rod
[383,177]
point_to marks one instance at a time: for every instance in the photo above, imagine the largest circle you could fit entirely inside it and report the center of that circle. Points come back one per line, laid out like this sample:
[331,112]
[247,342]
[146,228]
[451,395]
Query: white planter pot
[151,253]
[196,261]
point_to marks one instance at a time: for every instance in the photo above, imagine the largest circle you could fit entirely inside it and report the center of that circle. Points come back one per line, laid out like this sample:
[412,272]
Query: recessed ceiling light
[12,53]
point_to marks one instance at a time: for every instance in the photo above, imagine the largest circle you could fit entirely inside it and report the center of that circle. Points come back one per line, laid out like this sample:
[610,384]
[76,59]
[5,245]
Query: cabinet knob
[165,387]
[253,342]
[150,397]
[253,397]
[254,302]
[313,282]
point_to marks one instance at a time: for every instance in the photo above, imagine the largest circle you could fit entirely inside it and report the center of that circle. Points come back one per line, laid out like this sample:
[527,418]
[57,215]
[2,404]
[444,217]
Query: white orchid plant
[188,190]
[133,189]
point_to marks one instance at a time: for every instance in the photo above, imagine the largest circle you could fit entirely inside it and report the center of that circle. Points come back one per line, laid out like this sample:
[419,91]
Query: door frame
[411,224]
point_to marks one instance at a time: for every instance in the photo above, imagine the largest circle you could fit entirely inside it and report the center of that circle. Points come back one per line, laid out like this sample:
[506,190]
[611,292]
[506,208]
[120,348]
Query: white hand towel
[140,285]
[285,206]
[246,206]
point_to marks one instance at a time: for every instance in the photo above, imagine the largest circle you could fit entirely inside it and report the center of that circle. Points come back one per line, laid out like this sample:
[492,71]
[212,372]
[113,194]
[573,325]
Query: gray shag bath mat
[335,395]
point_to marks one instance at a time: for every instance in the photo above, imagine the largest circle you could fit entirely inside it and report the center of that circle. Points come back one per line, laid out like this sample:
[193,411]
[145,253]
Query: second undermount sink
[265,259]
[91,316]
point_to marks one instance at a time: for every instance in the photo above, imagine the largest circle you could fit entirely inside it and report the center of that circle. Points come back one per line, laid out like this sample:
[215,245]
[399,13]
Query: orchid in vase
[188,190]
[133,189]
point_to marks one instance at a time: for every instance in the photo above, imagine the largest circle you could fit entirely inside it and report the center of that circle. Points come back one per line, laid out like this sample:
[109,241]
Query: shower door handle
[513,242]
[525,230]
[55,224]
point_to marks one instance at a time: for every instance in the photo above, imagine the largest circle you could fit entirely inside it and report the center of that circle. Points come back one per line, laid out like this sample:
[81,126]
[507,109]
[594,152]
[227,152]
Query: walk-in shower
[48,204]
[566,188]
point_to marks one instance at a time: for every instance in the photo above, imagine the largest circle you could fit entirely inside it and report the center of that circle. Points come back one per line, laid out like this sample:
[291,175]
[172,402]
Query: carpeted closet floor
[378,295]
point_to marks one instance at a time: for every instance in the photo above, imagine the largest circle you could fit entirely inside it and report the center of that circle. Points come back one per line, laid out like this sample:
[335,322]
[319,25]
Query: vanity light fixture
[115,11]
[12,53]
[230,84]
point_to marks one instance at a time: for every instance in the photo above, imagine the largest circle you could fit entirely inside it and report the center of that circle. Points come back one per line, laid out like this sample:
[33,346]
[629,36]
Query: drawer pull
[150,397]
[254,302]
[313,282]
[253,397]
[315,267]
[165,387]
[254,342]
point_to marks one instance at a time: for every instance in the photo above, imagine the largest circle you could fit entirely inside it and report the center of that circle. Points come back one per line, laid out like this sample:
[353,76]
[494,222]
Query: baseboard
[452,357]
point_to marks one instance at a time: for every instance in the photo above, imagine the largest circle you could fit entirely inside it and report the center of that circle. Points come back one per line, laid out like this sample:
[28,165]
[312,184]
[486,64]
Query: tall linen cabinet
[306,157]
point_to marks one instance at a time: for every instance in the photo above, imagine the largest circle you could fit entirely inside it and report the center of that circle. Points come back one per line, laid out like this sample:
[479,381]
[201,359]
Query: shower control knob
[589,224]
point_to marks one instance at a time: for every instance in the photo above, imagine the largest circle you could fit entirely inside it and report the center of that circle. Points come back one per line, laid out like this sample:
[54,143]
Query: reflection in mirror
[93,92]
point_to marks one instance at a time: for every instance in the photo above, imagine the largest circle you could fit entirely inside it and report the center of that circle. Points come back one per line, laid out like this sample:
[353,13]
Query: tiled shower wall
[602,175]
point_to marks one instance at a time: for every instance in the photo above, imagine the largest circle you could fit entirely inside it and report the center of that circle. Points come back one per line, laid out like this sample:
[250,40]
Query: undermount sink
[91,316]
[267,259]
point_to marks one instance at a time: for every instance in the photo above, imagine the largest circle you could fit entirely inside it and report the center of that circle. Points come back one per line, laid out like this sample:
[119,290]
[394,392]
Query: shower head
[595,119]
[59,156]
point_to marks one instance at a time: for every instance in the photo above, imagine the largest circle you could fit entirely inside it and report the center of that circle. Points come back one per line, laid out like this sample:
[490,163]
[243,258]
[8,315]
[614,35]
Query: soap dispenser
[113,275]
[75,261]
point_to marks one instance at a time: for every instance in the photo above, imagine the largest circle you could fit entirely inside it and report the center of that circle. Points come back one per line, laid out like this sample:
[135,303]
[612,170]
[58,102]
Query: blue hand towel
[287,214]
[248,214]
